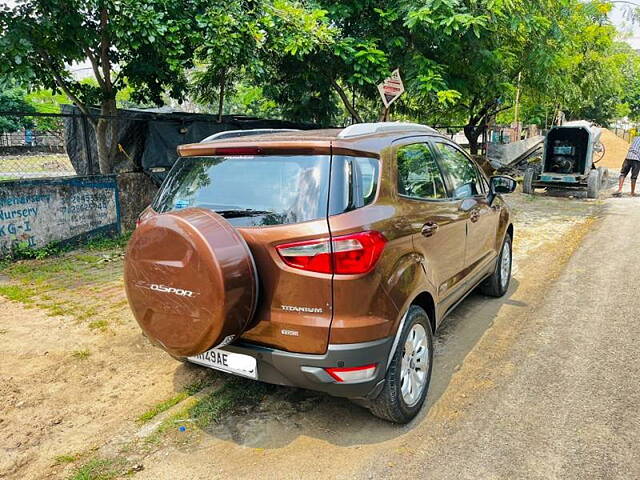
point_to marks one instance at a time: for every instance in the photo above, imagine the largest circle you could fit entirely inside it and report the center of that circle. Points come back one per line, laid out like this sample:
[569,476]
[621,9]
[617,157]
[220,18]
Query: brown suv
[324,259]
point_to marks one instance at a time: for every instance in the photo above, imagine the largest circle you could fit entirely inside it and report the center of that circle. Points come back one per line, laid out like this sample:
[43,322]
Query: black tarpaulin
[149,137]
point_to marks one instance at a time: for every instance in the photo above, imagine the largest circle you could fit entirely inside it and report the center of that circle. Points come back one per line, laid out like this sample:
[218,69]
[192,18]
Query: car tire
[398,402]
[527,182]
[497,284]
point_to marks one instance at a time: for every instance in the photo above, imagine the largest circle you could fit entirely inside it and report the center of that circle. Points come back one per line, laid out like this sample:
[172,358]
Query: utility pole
[517,109]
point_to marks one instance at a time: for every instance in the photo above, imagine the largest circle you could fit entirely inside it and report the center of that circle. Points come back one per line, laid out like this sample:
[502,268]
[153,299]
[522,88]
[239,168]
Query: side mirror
[501,184]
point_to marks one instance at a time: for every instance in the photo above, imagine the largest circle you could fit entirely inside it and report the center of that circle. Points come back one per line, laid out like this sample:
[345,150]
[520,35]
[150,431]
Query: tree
[238,40]
[591,73]
[13,101]
[147,43]
[460,60]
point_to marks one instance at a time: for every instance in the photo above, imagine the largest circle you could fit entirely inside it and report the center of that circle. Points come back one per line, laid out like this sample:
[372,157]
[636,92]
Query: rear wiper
[247,212]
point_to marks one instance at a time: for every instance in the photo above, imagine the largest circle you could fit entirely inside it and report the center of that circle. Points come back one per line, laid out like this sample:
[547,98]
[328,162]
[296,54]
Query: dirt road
[540,384]
[568,408]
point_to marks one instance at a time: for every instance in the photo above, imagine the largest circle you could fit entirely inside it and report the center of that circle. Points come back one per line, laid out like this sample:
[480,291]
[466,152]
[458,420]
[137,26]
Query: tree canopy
[463,61]
[13,101]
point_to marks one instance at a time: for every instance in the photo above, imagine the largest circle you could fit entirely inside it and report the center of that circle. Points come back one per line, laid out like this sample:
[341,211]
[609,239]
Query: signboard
[34,213]
[391,89]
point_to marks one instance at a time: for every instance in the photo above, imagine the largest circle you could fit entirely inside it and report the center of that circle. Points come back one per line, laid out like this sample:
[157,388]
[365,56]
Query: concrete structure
[501,155]
[35,213]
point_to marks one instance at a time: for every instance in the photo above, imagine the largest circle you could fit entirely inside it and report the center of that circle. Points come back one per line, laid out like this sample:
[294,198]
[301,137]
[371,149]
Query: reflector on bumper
[353,374]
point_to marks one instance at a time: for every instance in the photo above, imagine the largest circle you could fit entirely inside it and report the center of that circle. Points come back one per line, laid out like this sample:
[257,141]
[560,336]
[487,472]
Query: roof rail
[359,129]
[244,133]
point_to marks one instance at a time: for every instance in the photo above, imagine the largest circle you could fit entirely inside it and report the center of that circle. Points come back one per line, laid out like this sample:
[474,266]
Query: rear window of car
[250,190]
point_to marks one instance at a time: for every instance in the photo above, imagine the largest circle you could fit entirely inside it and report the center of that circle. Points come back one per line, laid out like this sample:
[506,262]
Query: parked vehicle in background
[323,259]
[571,154]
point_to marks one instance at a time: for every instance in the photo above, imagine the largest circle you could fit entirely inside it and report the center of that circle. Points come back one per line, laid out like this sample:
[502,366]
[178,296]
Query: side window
[354,183]
[465,179]
[368,176]
[418,173]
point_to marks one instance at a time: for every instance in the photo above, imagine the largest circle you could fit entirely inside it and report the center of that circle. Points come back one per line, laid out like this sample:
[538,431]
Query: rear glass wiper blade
[247,212]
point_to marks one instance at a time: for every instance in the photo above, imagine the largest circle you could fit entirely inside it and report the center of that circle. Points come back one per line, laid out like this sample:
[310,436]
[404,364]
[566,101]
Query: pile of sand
[615,150]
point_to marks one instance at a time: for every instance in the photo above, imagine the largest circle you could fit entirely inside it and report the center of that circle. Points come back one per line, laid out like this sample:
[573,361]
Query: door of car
[437,225]
[469,188]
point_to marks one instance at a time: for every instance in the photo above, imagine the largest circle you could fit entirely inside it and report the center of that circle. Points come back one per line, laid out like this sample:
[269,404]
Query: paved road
[565,401]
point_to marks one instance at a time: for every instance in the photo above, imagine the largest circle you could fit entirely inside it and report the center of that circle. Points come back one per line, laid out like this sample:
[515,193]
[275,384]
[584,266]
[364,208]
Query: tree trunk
[472,132]
[345,100]
[385,114]
[106,136]
[221,96]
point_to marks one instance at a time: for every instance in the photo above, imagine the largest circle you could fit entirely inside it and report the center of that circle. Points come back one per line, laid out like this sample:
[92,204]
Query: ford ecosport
[322,259]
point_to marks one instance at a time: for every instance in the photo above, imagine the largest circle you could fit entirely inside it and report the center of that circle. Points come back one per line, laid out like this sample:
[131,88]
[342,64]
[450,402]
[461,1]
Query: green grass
[236,394]
[56,309]
[162,407]
[88,258]
[81,354]
[101,325]
[99,469]
[108,243]
[17,293]
[76,284]
[167,404]
[22,251]
[62,459]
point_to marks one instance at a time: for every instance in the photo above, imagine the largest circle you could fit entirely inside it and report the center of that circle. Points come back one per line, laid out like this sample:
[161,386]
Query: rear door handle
[475,215]
[429,229]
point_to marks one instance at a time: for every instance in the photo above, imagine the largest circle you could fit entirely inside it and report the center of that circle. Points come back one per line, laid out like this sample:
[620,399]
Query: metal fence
[456,133]
[625,134]
[33,153]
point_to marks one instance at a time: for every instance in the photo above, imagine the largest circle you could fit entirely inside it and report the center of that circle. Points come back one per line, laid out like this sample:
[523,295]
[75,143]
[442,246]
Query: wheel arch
[510,230]
[425,301]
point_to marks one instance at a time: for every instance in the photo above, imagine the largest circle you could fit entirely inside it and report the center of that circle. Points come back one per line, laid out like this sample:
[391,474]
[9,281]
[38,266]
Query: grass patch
[17,293]
[22,251]
[87,258]
[62,459]
[162,407]
[101,325]
[235,395]
[100,469]
[167,404]
[108,243]
[81,354]
[56,310]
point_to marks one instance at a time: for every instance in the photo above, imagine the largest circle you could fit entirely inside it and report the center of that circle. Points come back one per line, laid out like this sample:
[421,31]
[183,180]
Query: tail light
[353,374]
[346,255]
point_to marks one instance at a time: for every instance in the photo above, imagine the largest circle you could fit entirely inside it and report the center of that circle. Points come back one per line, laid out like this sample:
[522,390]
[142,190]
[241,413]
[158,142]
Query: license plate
[230,362]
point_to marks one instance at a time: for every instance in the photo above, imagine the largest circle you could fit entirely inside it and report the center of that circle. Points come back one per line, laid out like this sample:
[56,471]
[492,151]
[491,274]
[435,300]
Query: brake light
[238,151]
[351,254]
[353,374]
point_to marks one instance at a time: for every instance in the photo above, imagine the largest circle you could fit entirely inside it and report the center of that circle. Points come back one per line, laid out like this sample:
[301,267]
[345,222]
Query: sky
[629,29]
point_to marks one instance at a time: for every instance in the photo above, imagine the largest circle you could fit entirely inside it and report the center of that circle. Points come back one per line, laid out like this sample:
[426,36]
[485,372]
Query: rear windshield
[250,191]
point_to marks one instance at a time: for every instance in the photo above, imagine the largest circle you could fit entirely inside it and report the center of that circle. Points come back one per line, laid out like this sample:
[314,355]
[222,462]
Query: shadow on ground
[281,414]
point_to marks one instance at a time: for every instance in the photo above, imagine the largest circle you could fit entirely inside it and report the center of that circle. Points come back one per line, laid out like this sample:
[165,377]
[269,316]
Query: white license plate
[236,363]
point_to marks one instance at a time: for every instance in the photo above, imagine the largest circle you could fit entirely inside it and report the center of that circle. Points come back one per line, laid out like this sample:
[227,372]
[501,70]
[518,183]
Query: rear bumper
[307,371]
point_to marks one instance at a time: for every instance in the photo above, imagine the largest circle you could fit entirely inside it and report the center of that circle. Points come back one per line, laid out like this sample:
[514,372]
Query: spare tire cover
[190,280]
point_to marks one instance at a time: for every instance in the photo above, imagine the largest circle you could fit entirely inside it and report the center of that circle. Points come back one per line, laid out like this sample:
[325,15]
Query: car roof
[368,139]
